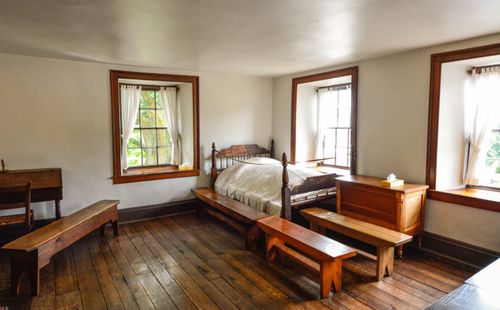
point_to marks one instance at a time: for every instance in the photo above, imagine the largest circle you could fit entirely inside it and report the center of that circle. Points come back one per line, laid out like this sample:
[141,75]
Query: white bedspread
[257,182]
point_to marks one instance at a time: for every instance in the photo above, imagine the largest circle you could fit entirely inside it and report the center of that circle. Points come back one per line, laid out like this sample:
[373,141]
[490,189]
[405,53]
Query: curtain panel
[130,97]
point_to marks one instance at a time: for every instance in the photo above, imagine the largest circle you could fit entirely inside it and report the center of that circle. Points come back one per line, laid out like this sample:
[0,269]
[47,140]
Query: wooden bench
[286,238]
[33,251]
[383,238]
[237,215]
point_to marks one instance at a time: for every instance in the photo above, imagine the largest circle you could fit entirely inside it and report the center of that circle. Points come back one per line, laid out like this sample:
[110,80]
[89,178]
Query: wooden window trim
[148,173]
[353,72]
[470,197]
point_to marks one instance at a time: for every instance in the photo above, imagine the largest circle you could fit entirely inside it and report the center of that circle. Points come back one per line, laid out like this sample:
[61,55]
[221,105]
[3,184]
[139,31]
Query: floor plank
[190,262]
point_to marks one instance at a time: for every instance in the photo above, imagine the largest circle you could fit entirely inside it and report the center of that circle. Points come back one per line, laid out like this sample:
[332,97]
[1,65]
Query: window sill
[148,174]
[470,197]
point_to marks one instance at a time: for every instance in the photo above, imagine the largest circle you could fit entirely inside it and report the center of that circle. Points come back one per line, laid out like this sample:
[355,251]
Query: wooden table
[46,185]
[481,291]
[399,208]
[488,278]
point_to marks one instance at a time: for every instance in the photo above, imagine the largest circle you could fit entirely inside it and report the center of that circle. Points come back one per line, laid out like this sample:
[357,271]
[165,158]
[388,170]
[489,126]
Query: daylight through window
[149,144]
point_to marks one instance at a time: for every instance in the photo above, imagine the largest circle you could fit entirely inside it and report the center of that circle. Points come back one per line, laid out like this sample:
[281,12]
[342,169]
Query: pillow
[261,161]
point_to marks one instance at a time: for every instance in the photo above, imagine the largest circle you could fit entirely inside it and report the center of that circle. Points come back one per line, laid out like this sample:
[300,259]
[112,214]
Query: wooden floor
[185,262]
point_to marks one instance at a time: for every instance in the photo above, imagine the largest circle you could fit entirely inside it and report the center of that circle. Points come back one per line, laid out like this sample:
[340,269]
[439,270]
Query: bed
[249,174]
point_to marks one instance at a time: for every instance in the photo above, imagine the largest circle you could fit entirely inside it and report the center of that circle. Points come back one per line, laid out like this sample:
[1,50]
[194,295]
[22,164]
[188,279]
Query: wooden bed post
[213,171]
[286,208]
[271,153]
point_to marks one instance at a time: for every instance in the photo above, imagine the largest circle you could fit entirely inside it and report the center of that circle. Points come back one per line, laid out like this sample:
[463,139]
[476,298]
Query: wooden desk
[46,185]
[479,292]
[400,208]
[488,278]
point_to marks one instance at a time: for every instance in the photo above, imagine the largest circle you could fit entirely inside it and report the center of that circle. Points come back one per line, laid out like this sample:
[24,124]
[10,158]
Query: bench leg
[400,251]
[385,261]
[101,230]
[330,273]
[115,227]
[251,237]
[25,262]
[270,249]
[16,272]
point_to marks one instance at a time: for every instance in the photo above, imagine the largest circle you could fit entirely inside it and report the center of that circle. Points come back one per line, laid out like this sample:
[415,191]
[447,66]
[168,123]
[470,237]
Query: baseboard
[155,211]
[458,251]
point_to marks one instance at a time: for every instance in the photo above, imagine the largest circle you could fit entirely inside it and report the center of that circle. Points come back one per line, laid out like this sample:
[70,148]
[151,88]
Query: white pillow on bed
[261,161]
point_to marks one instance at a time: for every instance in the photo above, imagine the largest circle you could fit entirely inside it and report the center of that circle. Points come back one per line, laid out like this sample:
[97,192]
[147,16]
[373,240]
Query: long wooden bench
[384,239]
[33,251]
[322,254]
[237,215]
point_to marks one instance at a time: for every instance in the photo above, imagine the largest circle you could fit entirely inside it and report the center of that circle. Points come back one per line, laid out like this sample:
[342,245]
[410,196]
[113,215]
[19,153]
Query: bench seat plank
[33,251]
[231,207]
[288,238]
[55,229]
[383,238]
[232,212]
[367,232]
[320,247]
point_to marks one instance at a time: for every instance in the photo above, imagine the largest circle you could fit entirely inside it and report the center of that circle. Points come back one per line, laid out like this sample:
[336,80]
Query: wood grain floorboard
[197,271]
[190,262]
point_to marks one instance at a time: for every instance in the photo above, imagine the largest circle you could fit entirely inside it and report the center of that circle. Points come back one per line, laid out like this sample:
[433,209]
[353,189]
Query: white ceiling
[258,37]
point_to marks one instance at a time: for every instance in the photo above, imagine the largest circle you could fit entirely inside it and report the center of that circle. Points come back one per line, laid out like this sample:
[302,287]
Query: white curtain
[130,98]
[483,92]
[325,102]
[168,97]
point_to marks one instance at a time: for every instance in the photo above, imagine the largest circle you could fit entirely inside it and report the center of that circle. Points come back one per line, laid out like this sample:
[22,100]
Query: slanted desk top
[46,185]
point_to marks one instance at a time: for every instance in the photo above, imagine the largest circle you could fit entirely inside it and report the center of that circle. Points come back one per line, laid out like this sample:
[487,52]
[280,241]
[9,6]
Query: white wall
[57,113]
[393,98]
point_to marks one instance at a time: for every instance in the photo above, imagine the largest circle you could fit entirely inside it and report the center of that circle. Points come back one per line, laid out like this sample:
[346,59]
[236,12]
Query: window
[491,160]
[464,121]
[323,129]
[150,143]
[335,111]
[155,126]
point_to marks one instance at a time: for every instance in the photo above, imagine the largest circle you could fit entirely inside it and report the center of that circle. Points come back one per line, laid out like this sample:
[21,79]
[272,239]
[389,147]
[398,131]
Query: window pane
[137,124]
[345,99]
[341,155]
[158,100]
[492,168]
[148,137]
[149,157]
[160,118]
[148,119]
[164,156]
[147,99]
[344,118]
[134,157]
[343,138]
[163,140]
[135,139]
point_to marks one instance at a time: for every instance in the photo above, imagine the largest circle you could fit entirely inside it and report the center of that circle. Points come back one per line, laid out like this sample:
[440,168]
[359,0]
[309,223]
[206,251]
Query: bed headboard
[222,159]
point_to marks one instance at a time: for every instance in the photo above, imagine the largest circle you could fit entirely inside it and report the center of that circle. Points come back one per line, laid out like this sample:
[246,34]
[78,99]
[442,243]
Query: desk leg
[58,208]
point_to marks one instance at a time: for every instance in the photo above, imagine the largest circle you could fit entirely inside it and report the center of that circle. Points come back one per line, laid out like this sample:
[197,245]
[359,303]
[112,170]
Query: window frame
[350,71]
[159,172]
[482,198]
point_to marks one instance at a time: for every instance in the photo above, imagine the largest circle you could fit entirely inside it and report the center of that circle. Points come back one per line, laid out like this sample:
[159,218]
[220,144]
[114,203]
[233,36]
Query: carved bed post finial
[272,149]
[213,171]
[286,204]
